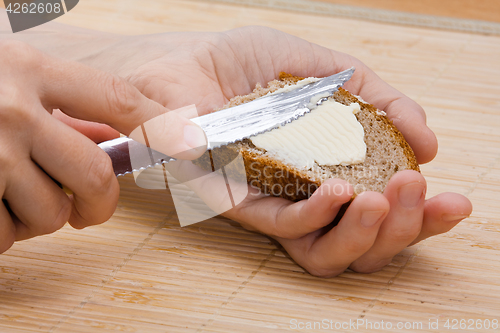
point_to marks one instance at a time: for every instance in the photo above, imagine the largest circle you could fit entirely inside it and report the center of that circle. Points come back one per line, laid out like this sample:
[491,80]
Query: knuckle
[10,158]
[100,176]
[21,55]
[407,233]
[122,97]
[144,82]
[60,220]
[18,64]
[356,245]
[15,111]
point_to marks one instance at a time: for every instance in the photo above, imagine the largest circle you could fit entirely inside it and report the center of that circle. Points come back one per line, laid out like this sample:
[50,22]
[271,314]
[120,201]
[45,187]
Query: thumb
[88,94]
[299,57]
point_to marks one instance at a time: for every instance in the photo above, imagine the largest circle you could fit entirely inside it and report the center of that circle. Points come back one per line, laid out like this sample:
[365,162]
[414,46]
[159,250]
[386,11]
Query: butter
[295,85]
[328,135]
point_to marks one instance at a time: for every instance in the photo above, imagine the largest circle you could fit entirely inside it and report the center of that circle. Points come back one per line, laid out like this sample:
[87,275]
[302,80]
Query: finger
[330,254]
[406,194]
[36,201]
[88,94]
[298,219]
[94,131]
[301,58]
[101,132]
[76,162]
[405,113]
[282,218]
[7,229]
[442,213]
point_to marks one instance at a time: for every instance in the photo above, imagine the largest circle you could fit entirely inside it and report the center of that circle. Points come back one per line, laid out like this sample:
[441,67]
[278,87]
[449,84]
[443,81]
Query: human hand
[207,69]
[35,147]
[375,227]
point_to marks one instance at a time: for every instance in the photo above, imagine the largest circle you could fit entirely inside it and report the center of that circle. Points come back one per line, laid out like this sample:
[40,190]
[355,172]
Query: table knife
[233,124]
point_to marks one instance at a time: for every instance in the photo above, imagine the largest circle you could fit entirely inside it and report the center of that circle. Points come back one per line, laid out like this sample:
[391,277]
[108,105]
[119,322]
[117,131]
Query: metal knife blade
[232,124]
[265,113]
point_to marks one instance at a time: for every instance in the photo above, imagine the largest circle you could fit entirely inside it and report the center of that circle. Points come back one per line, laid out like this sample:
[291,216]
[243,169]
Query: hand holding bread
[37,150]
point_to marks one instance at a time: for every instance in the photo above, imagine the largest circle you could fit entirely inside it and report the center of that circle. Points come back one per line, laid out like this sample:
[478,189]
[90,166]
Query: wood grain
[487,10]
[141,272]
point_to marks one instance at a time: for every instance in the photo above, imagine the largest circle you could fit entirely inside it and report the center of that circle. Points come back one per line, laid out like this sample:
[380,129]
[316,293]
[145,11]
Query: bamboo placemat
[375,11]
[141,272]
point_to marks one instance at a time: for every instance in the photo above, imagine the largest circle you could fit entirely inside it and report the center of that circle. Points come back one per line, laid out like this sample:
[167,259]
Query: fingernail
[370,218]
[411,194]
[194,136]
[453,218]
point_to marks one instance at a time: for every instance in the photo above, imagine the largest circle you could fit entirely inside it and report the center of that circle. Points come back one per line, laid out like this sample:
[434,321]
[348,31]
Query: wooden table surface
[142,272]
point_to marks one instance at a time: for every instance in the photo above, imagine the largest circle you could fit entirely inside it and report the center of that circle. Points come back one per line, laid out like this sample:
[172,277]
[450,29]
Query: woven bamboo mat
[141,272]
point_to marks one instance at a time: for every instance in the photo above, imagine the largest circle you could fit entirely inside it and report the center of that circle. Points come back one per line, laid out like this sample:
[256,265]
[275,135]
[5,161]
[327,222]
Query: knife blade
[266,113]
[232,124]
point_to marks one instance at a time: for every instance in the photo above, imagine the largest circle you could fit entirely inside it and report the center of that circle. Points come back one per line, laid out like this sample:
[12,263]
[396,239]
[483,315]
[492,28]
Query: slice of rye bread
[387,153]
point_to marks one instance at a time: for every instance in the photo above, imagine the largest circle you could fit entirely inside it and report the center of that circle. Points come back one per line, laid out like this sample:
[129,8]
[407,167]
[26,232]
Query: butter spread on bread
[294,85]
[329,135]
